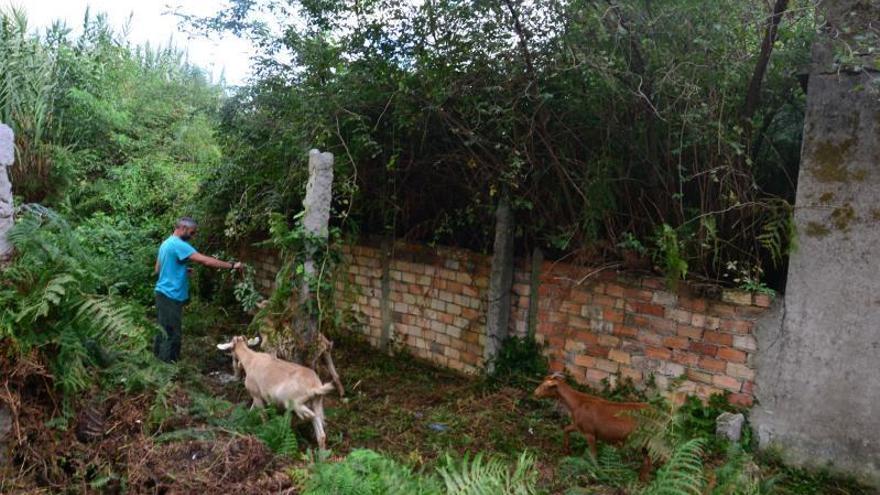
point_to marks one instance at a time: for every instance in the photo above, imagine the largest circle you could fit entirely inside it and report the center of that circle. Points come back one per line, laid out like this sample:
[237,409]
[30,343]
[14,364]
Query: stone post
[7,157]
[500,283]
[534,285]
[319,193]
[818,384]
[385,300]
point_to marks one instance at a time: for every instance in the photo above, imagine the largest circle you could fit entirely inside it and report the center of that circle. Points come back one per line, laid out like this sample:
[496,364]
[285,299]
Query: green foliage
[669,255]
[60,303]
[739,475]
[364,472]
[608,468]
[478,476]
[272,428]
[245,291]
[630,242]
[520,360]
[683,472]
[598,120]
[367,472]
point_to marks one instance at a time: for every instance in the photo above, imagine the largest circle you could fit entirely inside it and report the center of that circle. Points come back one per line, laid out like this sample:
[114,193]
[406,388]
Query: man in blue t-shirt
[172,288]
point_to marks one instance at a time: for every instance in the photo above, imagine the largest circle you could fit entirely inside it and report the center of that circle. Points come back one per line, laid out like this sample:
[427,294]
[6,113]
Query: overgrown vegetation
[600,122]
[612,129]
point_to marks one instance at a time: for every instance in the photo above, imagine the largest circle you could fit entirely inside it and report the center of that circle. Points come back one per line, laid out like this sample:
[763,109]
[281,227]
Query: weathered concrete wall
[819,373]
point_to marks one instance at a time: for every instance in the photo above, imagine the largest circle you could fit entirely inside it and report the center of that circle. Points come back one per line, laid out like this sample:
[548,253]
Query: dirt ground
[404,408]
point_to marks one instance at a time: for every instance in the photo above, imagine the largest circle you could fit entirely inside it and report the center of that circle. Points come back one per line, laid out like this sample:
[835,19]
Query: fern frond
[51,295]
[683,473]
[477,476]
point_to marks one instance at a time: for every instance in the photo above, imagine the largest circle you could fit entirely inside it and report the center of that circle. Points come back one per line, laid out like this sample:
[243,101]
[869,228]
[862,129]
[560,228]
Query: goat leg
[645,471]
[301,410]
[328,360]
[565,432]
[318,422]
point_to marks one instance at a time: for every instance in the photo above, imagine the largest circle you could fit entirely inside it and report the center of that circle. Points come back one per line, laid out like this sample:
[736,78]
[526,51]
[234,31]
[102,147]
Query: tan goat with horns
[272,380]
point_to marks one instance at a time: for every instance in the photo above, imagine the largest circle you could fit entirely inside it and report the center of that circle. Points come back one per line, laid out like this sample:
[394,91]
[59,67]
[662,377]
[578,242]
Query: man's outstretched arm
[214,262]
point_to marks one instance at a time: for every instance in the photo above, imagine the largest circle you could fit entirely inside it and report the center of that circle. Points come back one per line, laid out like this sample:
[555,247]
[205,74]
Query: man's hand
[238,265]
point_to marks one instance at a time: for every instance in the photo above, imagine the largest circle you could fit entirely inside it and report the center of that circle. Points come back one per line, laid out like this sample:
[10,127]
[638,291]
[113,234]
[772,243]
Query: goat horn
[557,374]
[225,347]
[254,341]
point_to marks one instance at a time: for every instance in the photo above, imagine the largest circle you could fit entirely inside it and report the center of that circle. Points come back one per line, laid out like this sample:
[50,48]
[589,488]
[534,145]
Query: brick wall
[595,324]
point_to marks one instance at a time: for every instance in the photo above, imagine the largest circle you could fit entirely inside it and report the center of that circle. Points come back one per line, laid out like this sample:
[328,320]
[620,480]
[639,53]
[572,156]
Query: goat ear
[254,341]
[225,347]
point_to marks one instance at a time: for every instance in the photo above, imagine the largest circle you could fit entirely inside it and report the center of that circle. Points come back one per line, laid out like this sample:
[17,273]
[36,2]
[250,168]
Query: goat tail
[322,390]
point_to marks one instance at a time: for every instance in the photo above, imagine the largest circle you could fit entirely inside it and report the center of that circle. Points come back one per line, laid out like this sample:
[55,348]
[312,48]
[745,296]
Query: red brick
[748,387]
[679,315]
[649,309]
[741,327]
[718,338]
[658,353]
[578,323]
[637,321]
[619,356]
[625,331]
[705,349]
[712,365]
[653,283]
[585,361]
[737,297]
[580,297]
[750,311]
[743,400]
[690,304]
[570,308]
[608,366]
[604,300]
[731,355]
[763,300]
[676,342]
[596,376]
[613,315]
[608,341]
[633,374]
[661,325]
[638,294]
[699,376]
[614,290]
[650,338]
[727,383]
[685,358]
[587,337]
[597,351]
[720,309]
[689,332]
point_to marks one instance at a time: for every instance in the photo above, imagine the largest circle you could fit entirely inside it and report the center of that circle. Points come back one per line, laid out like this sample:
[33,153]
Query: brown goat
[596,418]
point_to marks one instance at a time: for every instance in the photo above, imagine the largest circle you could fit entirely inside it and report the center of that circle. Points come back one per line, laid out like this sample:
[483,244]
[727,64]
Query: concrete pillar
[386,253]
[500,283]
[534,286]
[818,373]
[7,157]
[316,217]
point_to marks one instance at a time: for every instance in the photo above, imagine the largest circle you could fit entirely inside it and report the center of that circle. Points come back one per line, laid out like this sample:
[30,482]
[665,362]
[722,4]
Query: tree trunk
[753,96]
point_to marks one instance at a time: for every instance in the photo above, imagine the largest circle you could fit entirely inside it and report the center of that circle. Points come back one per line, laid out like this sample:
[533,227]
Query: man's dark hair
[188,222]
